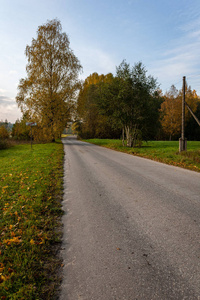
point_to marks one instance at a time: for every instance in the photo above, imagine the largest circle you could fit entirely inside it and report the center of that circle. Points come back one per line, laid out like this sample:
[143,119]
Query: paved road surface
[131,228]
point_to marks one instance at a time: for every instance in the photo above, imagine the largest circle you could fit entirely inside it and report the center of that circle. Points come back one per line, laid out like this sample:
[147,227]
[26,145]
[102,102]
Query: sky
[163,34]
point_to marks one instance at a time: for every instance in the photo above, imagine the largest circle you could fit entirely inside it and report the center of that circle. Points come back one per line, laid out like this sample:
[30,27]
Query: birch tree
[132,102]
[139,101]
[48,92]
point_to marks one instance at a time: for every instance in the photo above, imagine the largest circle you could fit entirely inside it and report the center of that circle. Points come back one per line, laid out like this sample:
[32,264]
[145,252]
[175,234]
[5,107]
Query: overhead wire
[187,78]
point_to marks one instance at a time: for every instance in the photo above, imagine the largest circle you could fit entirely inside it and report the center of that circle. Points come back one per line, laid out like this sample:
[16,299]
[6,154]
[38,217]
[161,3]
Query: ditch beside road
[131,227]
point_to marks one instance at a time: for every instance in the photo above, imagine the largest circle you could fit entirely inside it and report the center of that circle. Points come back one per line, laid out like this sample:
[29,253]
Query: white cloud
[2,91]
[95,60]
[192,25]
[9,109]
[182,59]
[13,72]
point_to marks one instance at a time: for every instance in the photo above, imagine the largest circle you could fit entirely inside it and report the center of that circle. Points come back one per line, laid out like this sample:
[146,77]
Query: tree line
[125,105]
[128,104]
[171,113]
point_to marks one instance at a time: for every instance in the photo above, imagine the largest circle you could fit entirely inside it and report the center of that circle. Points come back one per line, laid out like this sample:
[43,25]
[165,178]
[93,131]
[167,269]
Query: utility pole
[183,140]
[31,124]
[183,111]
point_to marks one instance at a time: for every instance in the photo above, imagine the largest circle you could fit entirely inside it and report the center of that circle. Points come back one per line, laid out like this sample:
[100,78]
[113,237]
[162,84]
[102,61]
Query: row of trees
[130,104]
[5,129]
[127,104]
[171,113]
[17,131]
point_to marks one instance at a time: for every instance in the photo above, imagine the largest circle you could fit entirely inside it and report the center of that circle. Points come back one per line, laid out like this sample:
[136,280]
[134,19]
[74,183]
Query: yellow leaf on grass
[15,239]
[42,241]
[2,278]
[32,242]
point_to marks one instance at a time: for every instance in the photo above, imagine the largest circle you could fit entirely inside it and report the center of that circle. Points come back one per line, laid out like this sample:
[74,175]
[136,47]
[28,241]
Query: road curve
[131,227]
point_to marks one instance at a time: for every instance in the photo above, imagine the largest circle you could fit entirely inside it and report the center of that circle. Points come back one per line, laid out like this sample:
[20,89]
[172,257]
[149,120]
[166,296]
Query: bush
[3,144]
[20,131]
[4,134]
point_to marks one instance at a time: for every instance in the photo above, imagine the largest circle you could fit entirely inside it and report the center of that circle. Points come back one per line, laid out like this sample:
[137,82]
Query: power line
[180,81]
[187,80]
[191,76]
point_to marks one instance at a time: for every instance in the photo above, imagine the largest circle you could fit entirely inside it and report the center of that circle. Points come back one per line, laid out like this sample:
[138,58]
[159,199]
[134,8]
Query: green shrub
[4,134]
[3,144]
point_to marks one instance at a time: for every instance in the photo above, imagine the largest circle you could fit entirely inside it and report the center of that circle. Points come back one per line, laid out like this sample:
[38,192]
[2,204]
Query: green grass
[162,151]
[30,210]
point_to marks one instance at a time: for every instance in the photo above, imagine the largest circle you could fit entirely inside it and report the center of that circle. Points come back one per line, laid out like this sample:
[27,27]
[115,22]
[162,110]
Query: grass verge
[162,151]
[30,200]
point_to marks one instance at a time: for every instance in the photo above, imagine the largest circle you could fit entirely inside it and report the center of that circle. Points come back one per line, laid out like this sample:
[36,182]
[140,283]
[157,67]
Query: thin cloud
[2,91]
[6,100]
[91,57]
[192,25]
[182,59]
[13,72]
[9,109]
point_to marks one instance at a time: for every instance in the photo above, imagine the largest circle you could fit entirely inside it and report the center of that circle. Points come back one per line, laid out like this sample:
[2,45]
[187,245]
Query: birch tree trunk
[128,136]
[123,136]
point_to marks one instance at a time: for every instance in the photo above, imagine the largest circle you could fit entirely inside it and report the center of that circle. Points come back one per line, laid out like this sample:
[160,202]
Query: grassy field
[162,151]
[30,201]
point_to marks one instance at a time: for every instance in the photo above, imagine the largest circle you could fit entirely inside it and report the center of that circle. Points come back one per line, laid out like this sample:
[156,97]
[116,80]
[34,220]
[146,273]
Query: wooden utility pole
[183,111]
[183,140]
[31,124]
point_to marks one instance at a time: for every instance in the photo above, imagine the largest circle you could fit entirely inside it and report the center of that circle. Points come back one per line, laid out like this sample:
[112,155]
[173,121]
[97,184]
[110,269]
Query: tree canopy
[133,101]
[126,102]
[171,110]
[48,92]
[93,122]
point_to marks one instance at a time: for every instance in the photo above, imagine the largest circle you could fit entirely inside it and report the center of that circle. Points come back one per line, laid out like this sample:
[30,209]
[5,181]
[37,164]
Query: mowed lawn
[31,182]
[162,151]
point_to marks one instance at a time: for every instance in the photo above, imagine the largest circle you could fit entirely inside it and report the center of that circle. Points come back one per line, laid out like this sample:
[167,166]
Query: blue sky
[163,34]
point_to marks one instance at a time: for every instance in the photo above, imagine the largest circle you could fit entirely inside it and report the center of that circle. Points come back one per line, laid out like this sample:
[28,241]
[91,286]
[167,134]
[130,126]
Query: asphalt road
[131,227]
